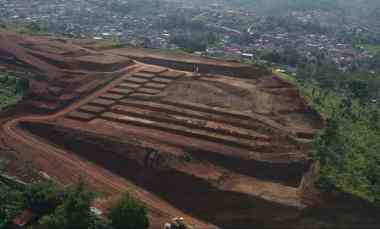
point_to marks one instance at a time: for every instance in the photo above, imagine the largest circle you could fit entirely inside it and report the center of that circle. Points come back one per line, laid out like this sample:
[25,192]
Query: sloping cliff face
[198,185]
[333,210]
[210,189]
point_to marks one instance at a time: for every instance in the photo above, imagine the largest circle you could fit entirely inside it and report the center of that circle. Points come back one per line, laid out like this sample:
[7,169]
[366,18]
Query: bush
[73,212]
[10,203]
[42,198]
[127,213]
[22,85]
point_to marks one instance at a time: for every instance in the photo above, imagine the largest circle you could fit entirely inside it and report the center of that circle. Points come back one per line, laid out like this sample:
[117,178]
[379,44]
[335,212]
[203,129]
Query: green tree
[127,213]
[359,89]
[10,203]
[74,211]
[42,198]
[22,85]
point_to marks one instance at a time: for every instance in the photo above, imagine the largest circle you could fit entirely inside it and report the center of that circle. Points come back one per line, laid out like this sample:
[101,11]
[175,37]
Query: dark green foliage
[188,33]
[10,203]
[11,89]
[348,148]
[348,151]
[288,56]
[42,198]
[179,21]
[22,85]
[30,28]
[99,223]
[73,212]
[359,89]
[193,42]
[61,208]
[128,213]
[357,84]
[34,27]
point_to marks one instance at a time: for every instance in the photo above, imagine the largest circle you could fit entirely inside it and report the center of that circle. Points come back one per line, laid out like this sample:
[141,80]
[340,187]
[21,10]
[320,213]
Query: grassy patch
[7,100]
[286,77]
[372,49]
[173,51]
[31,29]
[11,89]
[103,44]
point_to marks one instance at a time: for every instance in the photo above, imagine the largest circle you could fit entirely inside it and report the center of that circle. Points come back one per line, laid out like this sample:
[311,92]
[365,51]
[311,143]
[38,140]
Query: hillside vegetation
[57,207]
[347,151]
[12,89]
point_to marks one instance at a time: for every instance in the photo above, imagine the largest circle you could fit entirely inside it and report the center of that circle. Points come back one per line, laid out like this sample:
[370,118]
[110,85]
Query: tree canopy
[127,213]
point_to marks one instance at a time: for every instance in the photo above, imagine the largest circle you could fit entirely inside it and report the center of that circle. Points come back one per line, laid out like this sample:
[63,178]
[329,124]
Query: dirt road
[67,167]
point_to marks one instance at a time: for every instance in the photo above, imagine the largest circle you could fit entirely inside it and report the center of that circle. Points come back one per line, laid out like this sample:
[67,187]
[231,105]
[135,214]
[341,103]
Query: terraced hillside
[222,149]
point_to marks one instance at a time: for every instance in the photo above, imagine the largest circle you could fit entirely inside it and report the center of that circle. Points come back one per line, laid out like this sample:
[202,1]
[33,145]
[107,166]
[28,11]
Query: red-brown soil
[224,147]
[63,71]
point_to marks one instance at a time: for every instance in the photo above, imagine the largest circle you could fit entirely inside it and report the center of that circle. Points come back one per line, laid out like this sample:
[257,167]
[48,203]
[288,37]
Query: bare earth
[224,147]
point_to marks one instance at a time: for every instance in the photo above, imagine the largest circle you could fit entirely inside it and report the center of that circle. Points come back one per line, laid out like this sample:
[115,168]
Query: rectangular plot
[171,74]
[103,102]
[189,131]
[136,80]
[112,96]
[154,70]
[129,85]
[156,85]
[80,116]
[149,91]
[122,91]
[144,75]
[118,117]
[92,109]
[182,118]
[162,80]
[140,95]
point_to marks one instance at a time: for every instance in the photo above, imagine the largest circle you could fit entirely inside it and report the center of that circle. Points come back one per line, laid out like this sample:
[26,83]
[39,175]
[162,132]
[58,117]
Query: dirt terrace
[187,62]
[62,71]
[222,150]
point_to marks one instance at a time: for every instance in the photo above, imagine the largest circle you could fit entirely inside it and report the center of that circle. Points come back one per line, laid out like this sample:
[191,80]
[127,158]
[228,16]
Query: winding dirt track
[67,167]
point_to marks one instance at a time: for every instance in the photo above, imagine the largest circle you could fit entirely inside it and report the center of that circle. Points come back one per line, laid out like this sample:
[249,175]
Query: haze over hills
[354,7]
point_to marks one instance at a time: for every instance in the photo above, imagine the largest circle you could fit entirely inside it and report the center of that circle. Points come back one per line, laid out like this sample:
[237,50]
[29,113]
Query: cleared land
[219,148]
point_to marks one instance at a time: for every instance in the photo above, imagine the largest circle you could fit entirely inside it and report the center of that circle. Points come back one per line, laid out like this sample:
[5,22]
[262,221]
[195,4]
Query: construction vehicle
[178,223]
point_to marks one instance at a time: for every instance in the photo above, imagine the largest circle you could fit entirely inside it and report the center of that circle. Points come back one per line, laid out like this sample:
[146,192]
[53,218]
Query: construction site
[222,144]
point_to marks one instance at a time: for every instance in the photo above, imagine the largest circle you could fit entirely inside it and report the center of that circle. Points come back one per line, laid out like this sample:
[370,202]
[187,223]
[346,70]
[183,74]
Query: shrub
[127,213]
